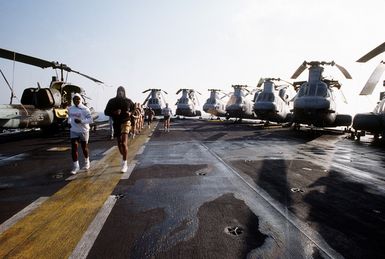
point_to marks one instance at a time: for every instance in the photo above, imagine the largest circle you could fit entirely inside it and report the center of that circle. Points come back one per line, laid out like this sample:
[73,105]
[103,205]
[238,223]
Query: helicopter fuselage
[25,116]
[214,105]
[271,106]
[239,106]
[373,122]
[187,104]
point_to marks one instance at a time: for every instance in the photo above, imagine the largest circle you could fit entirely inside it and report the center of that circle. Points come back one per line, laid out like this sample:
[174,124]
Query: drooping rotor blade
[11,55]
[343,97]
[198,92]
[179,91]
[91,78]
[164,91]
[145,101]
[373,53]
[373,79]
[299,70]
[343,71]
[260,82]
[145,91]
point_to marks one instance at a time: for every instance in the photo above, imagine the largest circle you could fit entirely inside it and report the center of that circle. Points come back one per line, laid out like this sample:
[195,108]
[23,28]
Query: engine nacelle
[343,120]
[368,122]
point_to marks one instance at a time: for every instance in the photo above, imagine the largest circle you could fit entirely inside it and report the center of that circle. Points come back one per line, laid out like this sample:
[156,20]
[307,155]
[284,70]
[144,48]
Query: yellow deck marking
[54,229]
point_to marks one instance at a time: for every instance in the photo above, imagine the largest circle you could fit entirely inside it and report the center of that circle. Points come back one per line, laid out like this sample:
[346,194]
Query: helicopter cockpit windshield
[183,100]
[153,101]
[236,100]
[315,89]
[265,97]
[211,101]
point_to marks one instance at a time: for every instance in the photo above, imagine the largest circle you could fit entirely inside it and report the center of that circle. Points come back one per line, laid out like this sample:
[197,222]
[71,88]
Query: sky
[199,44]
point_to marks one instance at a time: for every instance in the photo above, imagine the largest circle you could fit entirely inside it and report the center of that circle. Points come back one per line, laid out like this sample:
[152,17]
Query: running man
[167,113]
[120,109]
[79,118]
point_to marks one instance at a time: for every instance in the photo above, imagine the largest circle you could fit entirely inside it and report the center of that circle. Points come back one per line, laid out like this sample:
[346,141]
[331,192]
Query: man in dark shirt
[119,109]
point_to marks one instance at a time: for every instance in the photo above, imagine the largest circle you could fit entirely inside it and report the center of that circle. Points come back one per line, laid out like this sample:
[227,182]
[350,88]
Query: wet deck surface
[206,189]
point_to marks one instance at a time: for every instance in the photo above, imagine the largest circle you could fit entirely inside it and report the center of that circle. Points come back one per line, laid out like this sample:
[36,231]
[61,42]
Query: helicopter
[155,100]
[238,105]
[214,104]
[187,104]
[44,108]
[373,122]
[274,101]
[315,103]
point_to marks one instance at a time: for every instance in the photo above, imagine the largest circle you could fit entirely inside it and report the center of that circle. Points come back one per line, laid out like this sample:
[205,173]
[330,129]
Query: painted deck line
[21,214]
[141,150]
[85,244]
[55,228]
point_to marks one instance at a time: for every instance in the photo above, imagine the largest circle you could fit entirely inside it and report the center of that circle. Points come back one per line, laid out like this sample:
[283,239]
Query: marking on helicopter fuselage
[87,241]
[21,214]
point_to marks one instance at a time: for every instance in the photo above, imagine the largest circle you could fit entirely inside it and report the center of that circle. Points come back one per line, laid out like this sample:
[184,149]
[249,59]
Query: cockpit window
[317,89]
[183,100]
[266,97]
[235,100]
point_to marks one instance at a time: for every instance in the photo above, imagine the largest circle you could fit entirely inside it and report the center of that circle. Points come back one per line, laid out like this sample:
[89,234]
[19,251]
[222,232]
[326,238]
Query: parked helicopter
[373,122]
[214,104]
[188,104]
[239,106]
[275,101]
[41,107]
[155,100]
[315,103]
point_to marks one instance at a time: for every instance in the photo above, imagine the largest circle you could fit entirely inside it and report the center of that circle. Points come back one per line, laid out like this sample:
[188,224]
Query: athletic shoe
[75,168]
[86,164]
[124,167]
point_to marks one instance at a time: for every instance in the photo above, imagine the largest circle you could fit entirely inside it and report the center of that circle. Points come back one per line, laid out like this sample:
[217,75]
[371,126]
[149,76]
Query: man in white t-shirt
[79,118]
[167,112]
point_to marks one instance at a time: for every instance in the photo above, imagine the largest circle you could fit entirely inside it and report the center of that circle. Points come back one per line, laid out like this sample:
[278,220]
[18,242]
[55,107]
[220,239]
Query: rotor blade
[164,91]
[344,71]
[260,82]
[373,80]
[91,78]
[5,79]
[373,53]
[146,91]
[145,101]
[299,70]
[7,54]
[343,97]
[198,92]
[179,91]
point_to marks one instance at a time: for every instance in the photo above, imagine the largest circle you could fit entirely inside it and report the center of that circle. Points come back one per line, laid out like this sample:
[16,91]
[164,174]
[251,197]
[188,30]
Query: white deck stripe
[131,167]
[85,244]
[141,149]
[21,214]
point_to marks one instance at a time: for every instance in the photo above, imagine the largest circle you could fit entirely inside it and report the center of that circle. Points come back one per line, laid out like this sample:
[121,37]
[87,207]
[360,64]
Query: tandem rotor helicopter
[275,101]
[315,103]
[44,108]
[188,104]
[239,106]
[155,100]
[373,122]
[215,105]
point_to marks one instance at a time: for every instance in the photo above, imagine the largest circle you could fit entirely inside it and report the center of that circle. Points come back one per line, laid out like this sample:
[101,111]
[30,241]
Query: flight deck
[206,189]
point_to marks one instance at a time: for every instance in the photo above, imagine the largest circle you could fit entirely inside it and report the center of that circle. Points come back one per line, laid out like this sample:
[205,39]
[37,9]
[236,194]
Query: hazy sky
[198,44]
